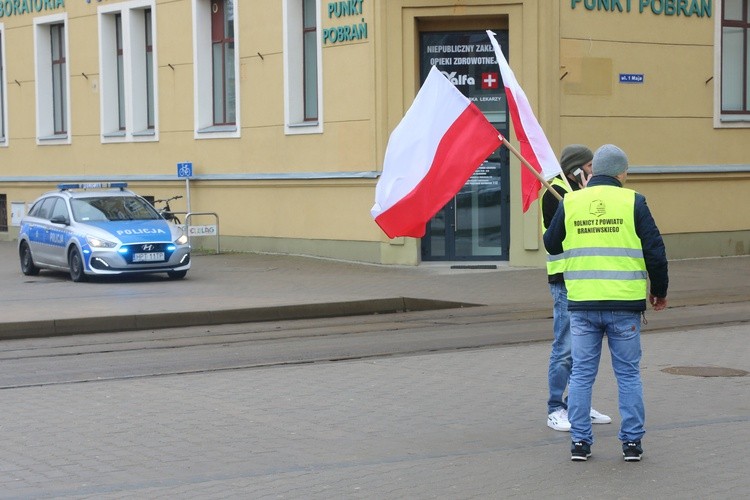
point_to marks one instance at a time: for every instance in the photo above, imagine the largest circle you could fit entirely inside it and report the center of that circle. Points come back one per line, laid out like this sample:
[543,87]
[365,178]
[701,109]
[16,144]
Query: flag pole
[565,179]
[532,169]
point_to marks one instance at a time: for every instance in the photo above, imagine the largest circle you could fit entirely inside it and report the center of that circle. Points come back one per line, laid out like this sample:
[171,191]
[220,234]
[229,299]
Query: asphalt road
[124,355]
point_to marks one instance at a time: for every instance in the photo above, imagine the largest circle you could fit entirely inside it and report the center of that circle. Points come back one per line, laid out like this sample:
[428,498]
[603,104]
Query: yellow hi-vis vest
[603,254]
[555,263]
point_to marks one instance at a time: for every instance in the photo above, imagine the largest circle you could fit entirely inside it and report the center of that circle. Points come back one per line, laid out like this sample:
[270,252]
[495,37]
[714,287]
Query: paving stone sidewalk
[454,425]
[460,424]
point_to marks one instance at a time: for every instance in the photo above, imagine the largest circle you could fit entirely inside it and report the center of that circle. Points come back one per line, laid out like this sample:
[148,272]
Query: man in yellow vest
[611,246]
[575,163]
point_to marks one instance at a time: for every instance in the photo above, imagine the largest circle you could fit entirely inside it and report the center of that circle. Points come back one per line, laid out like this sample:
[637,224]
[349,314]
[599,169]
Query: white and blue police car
[88,229]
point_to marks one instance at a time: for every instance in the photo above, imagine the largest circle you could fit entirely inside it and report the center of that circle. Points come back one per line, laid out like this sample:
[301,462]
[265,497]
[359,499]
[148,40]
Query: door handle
[455,213]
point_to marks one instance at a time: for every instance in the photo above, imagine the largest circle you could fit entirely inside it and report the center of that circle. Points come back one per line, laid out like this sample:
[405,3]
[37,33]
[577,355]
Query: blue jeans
[560,360]
[623,330]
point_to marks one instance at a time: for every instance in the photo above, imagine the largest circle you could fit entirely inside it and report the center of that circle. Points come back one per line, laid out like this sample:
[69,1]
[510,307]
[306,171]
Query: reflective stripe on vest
[555,263]
[603,255]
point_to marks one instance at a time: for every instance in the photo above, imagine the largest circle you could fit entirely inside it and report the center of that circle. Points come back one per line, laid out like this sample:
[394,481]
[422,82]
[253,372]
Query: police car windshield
[112,208]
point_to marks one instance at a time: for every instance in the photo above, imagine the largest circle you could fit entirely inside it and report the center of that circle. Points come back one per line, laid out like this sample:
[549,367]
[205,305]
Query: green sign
[347,32]
[685,8]
[19,7]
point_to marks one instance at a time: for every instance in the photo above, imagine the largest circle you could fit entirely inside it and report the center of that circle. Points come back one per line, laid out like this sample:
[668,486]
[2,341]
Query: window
[120,73]
[3,117]
[36,209]
[128,78]
[45,210]
[216,66]
[150,123]
[112,208]
[302,75]
[52,89]
[60,209]
[3,213]
[59,78]
[310,60]
[735,61]
[222,54]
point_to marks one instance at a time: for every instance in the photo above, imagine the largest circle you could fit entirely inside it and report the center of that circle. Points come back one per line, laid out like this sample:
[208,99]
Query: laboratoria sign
[10,8]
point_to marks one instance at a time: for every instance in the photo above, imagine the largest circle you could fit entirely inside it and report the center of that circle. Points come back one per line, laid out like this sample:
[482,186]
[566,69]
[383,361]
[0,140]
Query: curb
[155,321]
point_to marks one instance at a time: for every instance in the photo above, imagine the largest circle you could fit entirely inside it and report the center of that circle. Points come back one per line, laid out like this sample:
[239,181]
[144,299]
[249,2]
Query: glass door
[474,225]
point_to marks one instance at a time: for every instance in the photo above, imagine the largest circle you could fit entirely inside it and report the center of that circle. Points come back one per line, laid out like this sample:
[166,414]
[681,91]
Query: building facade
[283,108]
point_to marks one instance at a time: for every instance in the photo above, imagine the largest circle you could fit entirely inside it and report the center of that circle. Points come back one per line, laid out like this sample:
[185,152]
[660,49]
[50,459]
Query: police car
[88,229]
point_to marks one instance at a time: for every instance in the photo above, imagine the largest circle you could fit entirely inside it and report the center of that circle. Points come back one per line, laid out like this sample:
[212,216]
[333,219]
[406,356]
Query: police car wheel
[176,275]
[27,262]
[76,266]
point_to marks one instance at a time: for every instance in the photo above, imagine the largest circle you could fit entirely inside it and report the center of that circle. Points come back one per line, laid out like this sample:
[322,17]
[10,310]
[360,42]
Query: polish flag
[431,154]
[534,145]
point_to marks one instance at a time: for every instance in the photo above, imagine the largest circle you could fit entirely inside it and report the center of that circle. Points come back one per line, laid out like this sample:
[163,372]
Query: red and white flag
[534,145]
[439,143]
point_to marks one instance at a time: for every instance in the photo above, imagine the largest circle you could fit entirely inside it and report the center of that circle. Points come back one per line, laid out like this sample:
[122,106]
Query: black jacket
[654,252]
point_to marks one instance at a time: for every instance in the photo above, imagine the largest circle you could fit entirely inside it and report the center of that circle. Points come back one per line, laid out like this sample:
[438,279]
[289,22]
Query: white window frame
[3,91]
[43,82]
[294,103]
[722,120]
[134,62]
[203,73]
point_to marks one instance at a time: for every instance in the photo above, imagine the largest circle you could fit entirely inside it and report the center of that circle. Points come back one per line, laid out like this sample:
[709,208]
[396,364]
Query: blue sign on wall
[631,77]
[185,169]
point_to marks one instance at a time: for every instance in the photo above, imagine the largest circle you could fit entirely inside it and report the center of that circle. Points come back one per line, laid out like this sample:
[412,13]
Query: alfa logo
[597,208]
[147,247]
[457,79]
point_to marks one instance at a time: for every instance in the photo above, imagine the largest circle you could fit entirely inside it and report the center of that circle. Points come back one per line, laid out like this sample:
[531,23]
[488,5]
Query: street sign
[185,170]
[631,77]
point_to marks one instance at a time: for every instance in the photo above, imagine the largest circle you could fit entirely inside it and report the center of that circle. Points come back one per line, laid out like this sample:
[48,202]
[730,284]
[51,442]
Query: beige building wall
[311,194]
[692,174]
[298,210]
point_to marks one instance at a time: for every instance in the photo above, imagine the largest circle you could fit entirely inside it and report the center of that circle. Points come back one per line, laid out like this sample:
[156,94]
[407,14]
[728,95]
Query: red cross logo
[490,81]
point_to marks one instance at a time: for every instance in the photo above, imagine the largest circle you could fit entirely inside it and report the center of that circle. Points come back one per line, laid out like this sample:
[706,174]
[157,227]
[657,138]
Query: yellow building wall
[566,59]
[667,121]
[295,209]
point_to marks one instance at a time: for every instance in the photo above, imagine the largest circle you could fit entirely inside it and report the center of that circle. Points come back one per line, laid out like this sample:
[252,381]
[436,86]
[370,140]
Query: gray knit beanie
[574,156]
[609,160]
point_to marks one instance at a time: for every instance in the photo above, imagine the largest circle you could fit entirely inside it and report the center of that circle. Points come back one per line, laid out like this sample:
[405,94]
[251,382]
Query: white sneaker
[558,420]
[599,418]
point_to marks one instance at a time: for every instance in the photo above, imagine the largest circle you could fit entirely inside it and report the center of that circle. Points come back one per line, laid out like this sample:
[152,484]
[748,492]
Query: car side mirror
[60,219]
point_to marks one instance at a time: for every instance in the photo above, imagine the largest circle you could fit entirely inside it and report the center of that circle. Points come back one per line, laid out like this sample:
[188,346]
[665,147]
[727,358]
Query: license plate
[148,257]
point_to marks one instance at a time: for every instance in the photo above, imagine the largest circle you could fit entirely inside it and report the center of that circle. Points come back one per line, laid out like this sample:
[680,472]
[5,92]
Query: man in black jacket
[575,163]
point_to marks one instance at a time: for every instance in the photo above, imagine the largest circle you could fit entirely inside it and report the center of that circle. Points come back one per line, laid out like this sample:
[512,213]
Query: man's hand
[580,177]
[584,179]
[658,303]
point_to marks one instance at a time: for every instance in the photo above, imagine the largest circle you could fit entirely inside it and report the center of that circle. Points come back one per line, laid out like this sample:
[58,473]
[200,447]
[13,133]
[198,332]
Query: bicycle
[166,211]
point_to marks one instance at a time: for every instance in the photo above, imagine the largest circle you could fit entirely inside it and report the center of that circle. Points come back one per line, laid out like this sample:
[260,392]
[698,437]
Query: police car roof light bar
[93,185]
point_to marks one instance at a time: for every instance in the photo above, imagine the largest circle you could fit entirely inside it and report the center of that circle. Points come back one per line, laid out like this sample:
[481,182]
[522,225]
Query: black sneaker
[580,451]
[632,451]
